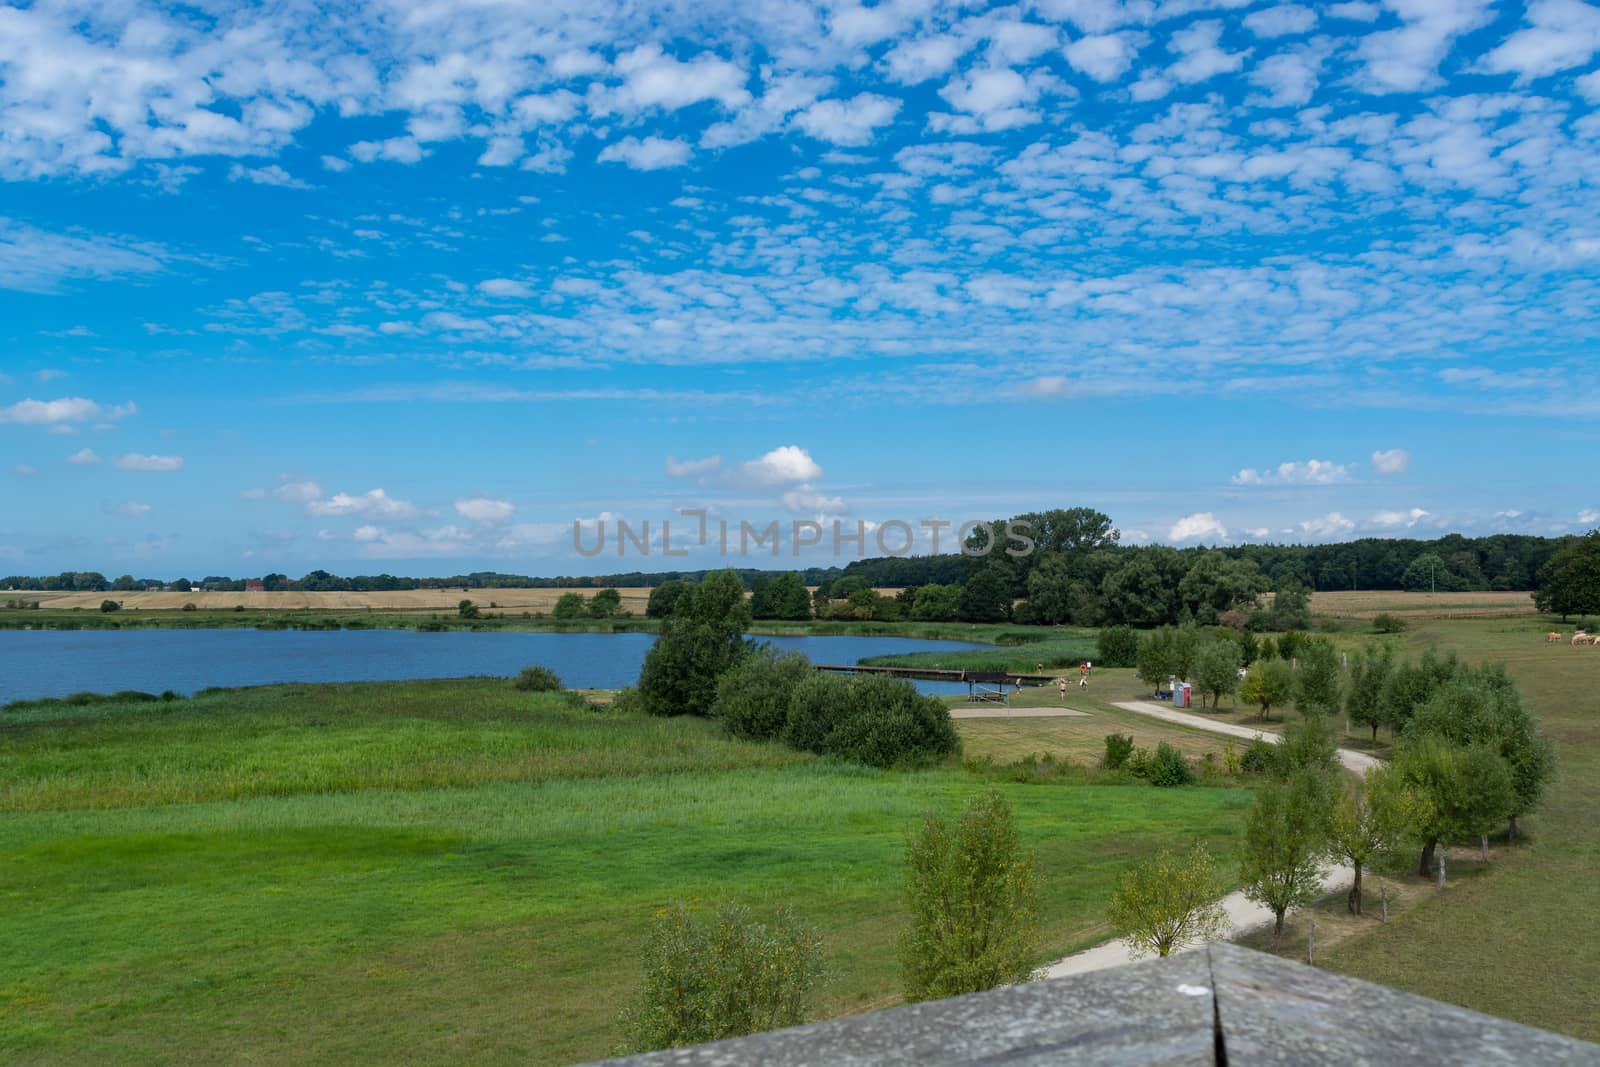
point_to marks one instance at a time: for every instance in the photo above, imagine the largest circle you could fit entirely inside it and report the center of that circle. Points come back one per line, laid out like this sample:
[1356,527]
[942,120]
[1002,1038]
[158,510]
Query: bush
[753,698]
[1168,767]
[723,975]
[467,609]
[569,606]
[605,604]
[1289,644]
[1260,757]
[537,680]
[887,723]
[1118,748]
[1386,623]
[109,606]
[627,702]
[973,901]
[190,606]
[1118,646]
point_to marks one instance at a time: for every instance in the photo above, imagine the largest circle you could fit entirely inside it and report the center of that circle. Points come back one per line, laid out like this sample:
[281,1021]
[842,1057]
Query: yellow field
[399,600]
[1364,604]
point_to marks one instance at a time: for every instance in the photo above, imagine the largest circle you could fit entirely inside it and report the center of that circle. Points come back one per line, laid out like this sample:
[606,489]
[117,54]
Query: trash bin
[1180,695]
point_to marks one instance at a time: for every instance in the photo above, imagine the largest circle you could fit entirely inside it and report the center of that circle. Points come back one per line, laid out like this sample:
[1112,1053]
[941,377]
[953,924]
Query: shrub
[1118,748]
[1168,767]
[818,701]
[1289,644]
[973,901]
[887,723]
[537,680]
[753,698]
[569,606]
[605,604]
[1386,623]
[722,975]
[467,609]
[627,702]
[190,606]
[1118,646]
[238,607]
[109,606]
[1260,757]
[1169,901]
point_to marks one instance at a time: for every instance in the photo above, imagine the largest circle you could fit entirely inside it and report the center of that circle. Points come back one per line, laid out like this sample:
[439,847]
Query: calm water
[54,663]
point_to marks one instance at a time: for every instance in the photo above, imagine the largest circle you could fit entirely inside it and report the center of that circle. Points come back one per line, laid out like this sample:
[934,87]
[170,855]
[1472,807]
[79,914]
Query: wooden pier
[936,674]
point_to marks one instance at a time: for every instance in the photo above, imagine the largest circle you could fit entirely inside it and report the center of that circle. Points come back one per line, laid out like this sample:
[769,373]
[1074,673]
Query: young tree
[1157,662]
[1185,650]
[605,604]
[722,975]
[1363,692]
[789,599]
[1364,824]
[1217,670]
[936,603]
[664,597]
[1168,902]
[1291,607]
[702,638]
[467,610]
[1285,837]
[1316,682]
[973,903]
[1268,682]
[1458,791]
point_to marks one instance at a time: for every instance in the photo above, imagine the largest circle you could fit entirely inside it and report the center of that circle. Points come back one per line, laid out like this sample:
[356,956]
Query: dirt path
[1243,914]
[1358,762]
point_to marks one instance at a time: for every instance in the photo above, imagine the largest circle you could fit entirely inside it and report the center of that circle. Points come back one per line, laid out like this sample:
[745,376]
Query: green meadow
[453,871]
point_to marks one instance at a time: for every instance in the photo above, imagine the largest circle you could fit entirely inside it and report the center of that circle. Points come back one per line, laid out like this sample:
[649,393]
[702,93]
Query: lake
[56,663]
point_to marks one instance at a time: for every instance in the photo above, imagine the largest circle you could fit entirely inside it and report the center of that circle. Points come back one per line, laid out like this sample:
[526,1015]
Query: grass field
[1365,604]
[452,871]
[1519,939]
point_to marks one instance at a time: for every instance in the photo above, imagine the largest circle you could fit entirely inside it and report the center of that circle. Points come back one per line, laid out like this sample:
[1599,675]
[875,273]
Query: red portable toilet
[1180,695]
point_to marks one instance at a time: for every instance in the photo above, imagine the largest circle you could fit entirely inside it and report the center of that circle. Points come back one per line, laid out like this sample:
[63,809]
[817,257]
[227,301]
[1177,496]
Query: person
[1061,683]
[1083,675]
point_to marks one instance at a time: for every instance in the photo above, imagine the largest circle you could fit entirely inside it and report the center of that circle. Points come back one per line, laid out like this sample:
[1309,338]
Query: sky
[413,286]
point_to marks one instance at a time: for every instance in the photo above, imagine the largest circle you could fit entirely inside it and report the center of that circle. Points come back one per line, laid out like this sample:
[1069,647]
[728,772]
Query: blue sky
[412,286]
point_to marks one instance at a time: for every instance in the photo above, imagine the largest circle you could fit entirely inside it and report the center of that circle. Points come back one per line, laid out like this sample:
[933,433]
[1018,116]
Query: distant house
[254,585]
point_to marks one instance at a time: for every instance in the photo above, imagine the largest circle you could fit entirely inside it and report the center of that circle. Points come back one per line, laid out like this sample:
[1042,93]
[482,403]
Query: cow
[1551,638]
[1581,638]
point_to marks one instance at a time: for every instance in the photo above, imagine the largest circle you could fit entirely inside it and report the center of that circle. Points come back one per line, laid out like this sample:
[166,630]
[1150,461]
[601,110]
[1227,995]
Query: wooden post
[1441,869]
[1483,847]
[1311,942]
[1383,892]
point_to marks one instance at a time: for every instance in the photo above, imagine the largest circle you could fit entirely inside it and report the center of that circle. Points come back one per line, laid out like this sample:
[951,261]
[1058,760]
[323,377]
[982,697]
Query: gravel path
[1359,762]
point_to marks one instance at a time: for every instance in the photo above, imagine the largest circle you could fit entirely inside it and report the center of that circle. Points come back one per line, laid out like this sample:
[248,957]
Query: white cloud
[1202,525]
[1311,472]
[268,175]
[83,457]
[38,261]
[1562,34]
[373,502]
[1328,527]
[1588,517]
[1281,21]
[1407,59]
[23,470]
[1391,461]
[806,500]
[485,509]
[253,493]
[391,150]
[1104,57]
[692,468]
[72,409]
[1391,519]
[1201,58]
[134,461]
[297,491]
[49,374]
[132,509]
[847,122]
[911,62]
[782,466]
[505,287]
[652,79]
[651,153]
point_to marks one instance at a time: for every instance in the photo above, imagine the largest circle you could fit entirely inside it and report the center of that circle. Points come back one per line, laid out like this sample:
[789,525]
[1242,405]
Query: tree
[1051,590]
[1142,592]
[569,606]
[108,606]
[1268,682]
[786,598]
[1364,824]
[973,901]
[605,604]
[936,603]
[1291,607]
[1363,692]
[1285,838]
[1157,659]
[1168,902]
[1456,791]
[1185,650]
[1430,573]
[722,975]
[1117,646]
[1310,746]
[467,610]
[1316,683]
[1569,584]
[702,638]
[986,597]
[1217,584]
[753,696]
[1070,531]
[124,584]
[664,597]
[1217,670]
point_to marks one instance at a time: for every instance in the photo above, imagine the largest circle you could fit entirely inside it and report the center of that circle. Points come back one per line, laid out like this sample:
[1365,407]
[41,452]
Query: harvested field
[1364,604]
[398,600]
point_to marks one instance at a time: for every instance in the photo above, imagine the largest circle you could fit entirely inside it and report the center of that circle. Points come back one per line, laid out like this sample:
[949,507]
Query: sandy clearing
[995,711]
